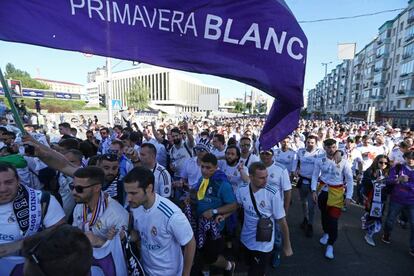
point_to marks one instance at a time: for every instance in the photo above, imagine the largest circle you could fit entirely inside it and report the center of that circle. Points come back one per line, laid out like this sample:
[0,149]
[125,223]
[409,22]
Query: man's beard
[232,163]
[177,142]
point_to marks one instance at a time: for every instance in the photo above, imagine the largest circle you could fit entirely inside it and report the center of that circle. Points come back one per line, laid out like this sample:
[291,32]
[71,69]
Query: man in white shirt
[23,211]
[236,172]
[278,177]
[162,178]
[279,181]
[191,172]
[397,154]
[247,156]
[306,161]
[368,152]
[96,213]
[179,153]
[286,156]
[219,146]
[328,189]
[162,227]
[270,205]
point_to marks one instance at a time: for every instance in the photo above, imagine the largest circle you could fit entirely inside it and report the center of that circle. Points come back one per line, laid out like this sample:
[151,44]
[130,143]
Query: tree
[24,77]
[138,96]
[239,107]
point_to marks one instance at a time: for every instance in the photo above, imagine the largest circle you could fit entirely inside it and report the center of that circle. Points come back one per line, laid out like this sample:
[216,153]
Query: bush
[53,105]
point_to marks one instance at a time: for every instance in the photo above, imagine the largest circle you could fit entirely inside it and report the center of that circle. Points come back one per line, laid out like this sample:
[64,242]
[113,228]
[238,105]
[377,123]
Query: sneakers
[324,239]
[369,240]
[386,238]
[309,231]
[329,252]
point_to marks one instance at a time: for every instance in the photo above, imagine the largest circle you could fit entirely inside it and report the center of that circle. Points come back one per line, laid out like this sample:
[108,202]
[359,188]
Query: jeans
[278,246]
[393,211]
[308,205]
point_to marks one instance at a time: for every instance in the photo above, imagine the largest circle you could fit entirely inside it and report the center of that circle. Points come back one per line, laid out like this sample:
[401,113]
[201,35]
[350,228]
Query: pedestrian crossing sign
[116,105]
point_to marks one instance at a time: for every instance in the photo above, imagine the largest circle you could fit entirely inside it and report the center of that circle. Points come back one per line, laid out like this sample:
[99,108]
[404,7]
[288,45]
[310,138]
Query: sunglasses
[383,163]
[79,189]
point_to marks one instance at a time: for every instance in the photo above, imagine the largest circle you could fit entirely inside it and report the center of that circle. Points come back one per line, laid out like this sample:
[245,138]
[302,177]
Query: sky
[323,38]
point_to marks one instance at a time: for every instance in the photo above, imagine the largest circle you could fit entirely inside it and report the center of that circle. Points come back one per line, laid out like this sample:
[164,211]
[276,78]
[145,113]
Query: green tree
[239,107]
[249,107]
[24,77]
[138,96]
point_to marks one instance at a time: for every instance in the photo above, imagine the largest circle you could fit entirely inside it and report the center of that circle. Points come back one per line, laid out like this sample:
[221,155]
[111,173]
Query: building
[170,90]
[380,75]
[63,86]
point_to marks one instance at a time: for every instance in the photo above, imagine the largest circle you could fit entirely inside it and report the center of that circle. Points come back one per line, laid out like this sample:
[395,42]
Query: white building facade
[170,91]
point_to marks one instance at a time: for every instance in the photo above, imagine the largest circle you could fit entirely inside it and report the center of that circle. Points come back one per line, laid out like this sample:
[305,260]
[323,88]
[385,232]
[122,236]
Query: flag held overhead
[259,43]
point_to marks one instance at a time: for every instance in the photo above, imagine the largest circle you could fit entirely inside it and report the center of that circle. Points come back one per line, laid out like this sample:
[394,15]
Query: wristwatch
[215,212]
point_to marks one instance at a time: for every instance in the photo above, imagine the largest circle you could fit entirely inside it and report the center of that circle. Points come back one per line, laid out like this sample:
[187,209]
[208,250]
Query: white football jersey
[163,230]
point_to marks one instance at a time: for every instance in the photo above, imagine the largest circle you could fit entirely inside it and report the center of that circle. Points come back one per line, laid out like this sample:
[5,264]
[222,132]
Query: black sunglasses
[79,189]
[383,163]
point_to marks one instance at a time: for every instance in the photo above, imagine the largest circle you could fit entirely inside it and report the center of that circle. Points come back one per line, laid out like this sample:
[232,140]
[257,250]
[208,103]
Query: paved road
[353,256]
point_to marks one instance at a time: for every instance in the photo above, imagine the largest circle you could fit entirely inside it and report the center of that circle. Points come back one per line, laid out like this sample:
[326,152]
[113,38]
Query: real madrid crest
[154,231]
[272,175]
[262,204]
[210,190]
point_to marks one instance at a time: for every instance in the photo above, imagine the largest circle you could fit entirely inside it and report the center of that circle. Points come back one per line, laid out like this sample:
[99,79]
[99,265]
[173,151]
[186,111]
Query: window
[398,104]
[407,68]
[381,51]
[409,33]
[397,59]
[399,42]
[408,51]
[407,103]
[405,85]
[402,26]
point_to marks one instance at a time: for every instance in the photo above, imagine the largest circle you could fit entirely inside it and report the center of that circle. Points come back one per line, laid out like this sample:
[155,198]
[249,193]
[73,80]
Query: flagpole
[9,98]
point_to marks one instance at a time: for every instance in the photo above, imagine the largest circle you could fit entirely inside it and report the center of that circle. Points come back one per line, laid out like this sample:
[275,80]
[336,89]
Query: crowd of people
[182,194]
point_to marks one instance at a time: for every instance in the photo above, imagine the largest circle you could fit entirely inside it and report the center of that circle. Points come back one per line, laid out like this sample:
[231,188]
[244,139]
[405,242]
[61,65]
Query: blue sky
[323,38]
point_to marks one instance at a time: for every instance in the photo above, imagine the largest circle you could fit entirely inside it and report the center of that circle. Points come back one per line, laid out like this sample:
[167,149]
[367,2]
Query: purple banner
[257,42]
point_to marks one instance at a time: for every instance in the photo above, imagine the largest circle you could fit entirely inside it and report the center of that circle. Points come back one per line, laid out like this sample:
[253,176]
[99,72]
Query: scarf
[205,226]
[99,209]
[376,205]
[202,187]
[28,210]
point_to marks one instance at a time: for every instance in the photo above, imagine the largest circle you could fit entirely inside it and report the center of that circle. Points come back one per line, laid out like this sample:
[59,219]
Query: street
[353,256]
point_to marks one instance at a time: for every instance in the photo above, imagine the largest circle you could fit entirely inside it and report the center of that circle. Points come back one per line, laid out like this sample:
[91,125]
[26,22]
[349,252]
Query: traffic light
[102,100]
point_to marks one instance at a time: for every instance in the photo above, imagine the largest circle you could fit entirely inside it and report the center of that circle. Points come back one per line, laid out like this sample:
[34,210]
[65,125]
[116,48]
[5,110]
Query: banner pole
[16,115]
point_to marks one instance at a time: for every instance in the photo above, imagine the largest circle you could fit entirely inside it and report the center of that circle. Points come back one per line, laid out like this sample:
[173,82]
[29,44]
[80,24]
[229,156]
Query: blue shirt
[219,193]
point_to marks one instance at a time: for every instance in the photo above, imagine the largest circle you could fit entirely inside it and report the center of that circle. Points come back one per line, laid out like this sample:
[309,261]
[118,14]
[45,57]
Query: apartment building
[380,75]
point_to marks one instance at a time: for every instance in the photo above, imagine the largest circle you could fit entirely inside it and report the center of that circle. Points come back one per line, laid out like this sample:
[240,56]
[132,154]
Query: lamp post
[109,90]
